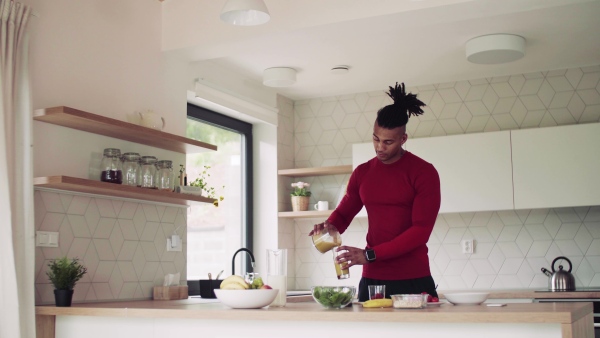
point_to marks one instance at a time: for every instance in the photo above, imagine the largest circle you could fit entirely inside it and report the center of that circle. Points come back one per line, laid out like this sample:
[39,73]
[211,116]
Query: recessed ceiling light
[279,77]
[495,48]
[338,70]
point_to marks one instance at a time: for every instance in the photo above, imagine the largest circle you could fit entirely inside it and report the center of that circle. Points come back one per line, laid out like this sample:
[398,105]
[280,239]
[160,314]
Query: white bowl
[464,298]
[246,299]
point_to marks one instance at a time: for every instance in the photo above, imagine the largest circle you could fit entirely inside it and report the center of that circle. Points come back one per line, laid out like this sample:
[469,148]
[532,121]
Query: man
[401,193]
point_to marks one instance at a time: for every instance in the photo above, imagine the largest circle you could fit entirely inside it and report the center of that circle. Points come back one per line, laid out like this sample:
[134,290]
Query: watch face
[370,255]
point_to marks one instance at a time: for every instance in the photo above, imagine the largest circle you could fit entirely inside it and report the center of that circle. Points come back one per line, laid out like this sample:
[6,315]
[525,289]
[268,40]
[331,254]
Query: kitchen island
[301,319]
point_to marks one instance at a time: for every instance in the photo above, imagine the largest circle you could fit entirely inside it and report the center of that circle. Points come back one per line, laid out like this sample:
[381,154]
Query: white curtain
[17,233]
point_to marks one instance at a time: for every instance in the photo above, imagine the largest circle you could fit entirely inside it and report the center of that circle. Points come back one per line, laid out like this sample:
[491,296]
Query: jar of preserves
[148,172]
[164,175]
[110,166]
[131,168]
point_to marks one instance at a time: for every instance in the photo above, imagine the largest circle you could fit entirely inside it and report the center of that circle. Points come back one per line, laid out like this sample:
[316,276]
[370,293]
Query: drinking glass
[277,274]
[341,269]
[376,291]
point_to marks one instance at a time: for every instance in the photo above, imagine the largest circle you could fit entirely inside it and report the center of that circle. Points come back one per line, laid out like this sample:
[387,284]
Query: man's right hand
[318,227]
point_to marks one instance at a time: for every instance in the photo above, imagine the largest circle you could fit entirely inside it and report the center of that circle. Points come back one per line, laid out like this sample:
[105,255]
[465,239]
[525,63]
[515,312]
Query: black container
[207,287]
[193,287]
[63,298]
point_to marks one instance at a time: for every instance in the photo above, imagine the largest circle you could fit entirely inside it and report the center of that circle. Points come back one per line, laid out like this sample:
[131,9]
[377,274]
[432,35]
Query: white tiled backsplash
[122,244]
[511,246]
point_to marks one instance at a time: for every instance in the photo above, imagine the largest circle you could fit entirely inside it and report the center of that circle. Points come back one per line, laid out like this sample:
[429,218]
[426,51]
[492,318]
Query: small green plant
[202,183]
[300,189]
[64,273]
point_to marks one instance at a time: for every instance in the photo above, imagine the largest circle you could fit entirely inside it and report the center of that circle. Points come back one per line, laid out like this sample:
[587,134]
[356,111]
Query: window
[215,233]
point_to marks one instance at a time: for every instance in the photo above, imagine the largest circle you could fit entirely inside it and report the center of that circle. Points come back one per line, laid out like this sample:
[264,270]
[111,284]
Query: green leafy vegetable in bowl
[333,297]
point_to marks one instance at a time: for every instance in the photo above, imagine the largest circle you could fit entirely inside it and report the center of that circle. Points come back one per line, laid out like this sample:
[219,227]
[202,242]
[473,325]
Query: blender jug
[277,274]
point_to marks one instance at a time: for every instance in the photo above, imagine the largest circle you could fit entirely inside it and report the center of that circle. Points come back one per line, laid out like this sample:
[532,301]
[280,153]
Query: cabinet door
[475,169]
[556,166]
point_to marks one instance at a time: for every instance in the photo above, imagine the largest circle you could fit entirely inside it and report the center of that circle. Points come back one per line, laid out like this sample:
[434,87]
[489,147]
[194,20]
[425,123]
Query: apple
[265,287]
[434,300]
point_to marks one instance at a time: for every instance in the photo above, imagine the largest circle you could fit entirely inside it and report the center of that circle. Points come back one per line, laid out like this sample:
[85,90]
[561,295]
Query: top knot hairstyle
[397,114]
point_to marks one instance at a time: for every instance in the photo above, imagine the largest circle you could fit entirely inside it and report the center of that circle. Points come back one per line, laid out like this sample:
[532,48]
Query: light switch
[46,239]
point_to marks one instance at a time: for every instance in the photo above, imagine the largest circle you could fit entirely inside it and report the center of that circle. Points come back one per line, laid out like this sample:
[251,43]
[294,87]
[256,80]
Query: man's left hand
[353,256]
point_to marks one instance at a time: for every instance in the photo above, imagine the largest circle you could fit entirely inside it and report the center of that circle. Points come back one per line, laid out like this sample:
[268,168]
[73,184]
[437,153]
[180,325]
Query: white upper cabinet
[557,166]
[475,169]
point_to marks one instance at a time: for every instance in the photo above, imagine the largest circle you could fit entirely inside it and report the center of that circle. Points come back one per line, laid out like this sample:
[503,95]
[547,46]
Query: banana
[232,286]
[378,303]
[234,282]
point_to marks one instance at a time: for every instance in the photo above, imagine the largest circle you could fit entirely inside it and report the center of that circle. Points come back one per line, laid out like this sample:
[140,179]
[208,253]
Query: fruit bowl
[466,298]
[333,297]
[246,299]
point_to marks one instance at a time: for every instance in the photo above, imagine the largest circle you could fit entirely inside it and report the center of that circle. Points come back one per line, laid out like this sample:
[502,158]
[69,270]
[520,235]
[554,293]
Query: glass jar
[110,166]
[148,172]
[164,175]
[131,168]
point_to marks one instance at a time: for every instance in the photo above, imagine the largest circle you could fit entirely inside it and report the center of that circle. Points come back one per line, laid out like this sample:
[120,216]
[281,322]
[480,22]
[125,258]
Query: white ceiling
[383,41]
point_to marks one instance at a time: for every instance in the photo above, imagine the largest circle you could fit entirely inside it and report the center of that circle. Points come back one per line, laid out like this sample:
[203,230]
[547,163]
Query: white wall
[105,57]
[511,246]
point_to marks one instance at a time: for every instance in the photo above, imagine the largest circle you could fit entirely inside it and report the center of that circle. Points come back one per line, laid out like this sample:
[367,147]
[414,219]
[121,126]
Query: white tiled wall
[122,244]
[511,246]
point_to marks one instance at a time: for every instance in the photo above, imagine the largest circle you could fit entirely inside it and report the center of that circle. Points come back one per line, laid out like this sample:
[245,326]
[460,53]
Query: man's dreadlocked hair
[397,114]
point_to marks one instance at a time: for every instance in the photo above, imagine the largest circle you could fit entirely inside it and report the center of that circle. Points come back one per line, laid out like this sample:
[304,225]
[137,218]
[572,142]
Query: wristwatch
[370,255]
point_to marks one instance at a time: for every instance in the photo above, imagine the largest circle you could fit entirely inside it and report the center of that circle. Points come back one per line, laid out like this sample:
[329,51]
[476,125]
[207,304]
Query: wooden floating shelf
[305,214]
[319,171]
[102,125]
[117,190]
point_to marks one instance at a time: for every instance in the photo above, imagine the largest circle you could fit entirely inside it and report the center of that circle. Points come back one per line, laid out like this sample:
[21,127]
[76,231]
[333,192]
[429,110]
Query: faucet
[233,259]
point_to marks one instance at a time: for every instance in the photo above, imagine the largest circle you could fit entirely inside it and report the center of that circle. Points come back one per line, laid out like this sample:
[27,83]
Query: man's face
[388,143]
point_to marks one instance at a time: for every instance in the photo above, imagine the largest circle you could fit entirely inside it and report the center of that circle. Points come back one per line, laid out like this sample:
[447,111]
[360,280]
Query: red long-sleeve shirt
[402,201]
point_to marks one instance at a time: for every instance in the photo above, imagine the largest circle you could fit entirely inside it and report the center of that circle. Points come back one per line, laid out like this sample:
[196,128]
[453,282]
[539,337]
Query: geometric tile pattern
[121,242]
[511,246]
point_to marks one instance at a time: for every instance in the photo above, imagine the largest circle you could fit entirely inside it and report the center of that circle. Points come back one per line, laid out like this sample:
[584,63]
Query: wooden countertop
[564,313]
[532,294]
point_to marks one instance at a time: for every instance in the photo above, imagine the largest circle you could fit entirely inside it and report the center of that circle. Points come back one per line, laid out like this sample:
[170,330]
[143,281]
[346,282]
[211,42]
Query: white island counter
[165,319]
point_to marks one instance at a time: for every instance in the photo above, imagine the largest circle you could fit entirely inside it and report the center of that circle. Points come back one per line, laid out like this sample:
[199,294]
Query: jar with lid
[131,168]
[148,172]
[110,166]
[164,175]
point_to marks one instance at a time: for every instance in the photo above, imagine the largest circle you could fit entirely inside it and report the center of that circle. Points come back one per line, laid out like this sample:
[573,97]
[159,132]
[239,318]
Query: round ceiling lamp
[279,77]
[495,48]
[245,12]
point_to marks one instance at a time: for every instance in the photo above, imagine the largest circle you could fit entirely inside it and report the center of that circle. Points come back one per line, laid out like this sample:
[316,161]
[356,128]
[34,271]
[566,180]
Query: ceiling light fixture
[279,77]
[495,48]
[339,70]
[245,12]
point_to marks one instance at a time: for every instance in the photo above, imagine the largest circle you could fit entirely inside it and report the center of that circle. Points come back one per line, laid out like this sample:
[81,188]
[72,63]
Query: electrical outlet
[467,246]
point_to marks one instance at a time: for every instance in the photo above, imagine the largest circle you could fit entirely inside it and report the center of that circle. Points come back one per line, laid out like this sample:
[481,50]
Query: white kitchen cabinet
[556,166]
[475,169]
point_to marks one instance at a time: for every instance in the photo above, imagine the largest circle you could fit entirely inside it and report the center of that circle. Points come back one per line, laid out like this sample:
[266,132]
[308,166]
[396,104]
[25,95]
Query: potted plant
[300,196]
[63,274]
[202,184]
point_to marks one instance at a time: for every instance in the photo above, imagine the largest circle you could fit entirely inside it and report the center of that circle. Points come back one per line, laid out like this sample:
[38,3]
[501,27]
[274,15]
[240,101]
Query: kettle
[560,280]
